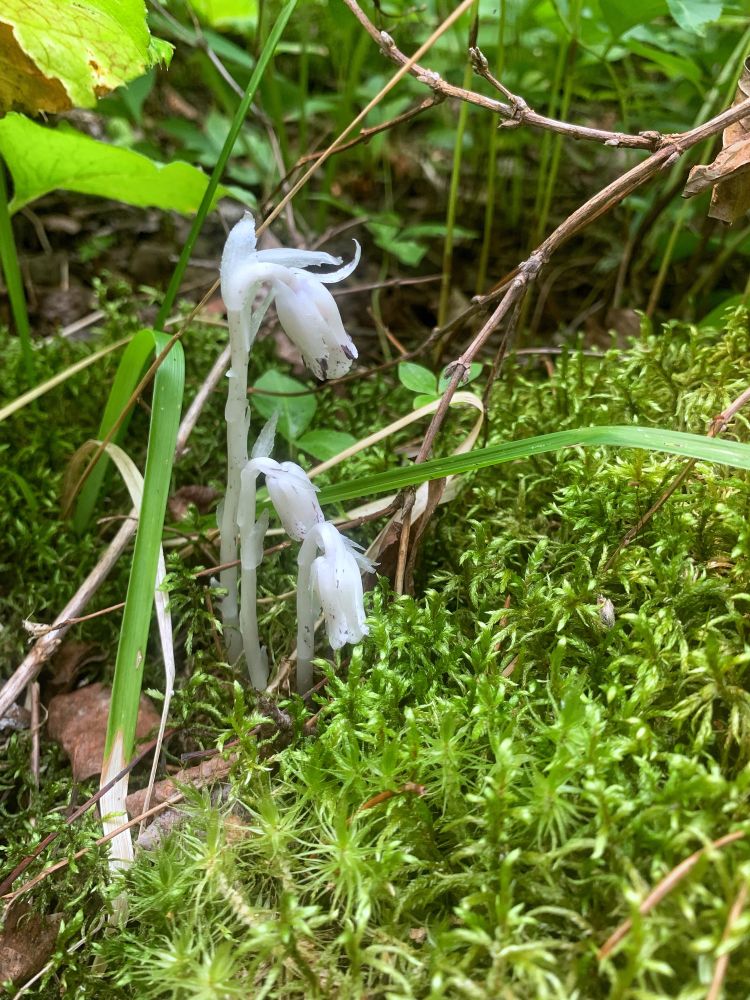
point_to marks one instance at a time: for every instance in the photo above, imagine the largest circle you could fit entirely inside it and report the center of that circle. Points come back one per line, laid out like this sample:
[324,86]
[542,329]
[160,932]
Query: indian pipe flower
[292,495]
[306,309]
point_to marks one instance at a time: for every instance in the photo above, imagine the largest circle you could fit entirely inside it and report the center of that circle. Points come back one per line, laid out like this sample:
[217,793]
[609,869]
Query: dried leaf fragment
[729,174]
[26,942]
[78,721]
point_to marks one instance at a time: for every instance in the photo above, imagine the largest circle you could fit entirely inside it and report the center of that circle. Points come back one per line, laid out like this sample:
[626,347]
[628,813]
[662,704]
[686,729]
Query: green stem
[13,280]
[208,198]
[450,222]
[489,207]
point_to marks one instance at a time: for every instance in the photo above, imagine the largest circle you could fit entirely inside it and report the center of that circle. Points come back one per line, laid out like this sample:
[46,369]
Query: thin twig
[517,112]
[722,962]
[667,884]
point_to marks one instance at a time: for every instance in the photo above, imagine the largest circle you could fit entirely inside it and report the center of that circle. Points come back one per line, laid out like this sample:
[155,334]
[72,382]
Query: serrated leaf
[417,378]
[46,159]
[324,444]
[53,59]
[295,412]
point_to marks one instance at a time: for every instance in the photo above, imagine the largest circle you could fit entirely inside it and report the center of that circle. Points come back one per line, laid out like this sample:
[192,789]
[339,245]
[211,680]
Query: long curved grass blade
[131,651]
[129,371]
[113,801]
[697,446]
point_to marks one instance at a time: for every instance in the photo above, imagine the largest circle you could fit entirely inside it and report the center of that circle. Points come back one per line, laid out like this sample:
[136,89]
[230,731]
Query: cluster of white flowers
[329,564]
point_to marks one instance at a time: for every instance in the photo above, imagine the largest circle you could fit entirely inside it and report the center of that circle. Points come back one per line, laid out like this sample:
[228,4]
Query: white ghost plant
[310,317]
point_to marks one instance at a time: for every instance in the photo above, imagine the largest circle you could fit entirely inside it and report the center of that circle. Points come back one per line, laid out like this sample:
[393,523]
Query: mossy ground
[555,794]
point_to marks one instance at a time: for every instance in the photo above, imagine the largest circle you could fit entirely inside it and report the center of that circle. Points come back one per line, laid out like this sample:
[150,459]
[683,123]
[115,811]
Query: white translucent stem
[307,611]
[243,326]
[251,554]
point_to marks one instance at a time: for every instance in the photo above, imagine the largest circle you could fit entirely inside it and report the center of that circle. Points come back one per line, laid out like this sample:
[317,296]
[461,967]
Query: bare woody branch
[516,111]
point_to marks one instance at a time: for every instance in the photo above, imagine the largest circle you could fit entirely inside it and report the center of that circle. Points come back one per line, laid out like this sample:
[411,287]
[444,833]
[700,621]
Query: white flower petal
[337,584]
[343,272]
[289,257]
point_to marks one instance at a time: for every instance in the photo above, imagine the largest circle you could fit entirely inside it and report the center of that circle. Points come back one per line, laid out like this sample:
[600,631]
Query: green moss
[550,767]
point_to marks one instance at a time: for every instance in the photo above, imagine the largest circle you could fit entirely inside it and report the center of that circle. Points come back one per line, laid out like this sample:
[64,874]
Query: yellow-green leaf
[59,54]
[44,159]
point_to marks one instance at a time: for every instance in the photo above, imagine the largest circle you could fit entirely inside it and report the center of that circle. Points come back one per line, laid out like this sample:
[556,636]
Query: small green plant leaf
[44,159]
[295,412]
[424,399]
[622,15]
[417,378]
[57,57]
[325,444]
[694,15]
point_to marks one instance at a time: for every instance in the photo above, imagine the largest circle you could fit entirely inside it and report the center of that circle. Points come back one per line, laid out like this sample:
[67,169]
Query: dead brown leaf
[210,770]
[201,496]
[26,942]
[729,174]
[66,665]
[78,721]
[22,86]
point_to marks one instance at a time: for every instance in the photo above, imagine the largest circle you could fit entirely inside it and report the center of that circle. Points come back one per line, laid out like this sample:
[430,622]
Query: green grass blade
[165,418]
[697,446]
[237,123]
[128,373]
[133,362]
[13,281]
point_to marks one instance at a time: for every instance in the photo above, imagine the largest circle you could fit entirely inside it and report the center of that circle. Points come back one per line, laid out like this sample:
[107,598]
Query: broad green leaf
[417,378]
[295,412]
[390,239]
[220,13]
[423,399]
[716,318]
[46,159]
[675,67]
[56,56]
[325,444]
[621,15]
[694,15]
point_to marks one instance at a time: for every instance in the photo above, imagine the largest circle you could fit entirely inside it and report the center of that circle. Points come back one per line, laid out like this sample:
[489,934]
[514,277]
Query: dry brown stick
[528,271]
[718,424]
[201,398]
[663,889]
[27,886]
[45,647]
[516,112]
[365,134]
[722,962]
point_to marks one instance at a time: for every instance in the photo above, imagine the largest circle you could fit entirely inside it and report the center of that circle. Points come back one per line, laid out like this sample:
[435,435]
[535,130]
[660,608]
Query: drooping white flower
[334,581]
[292,495]
[307,311]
